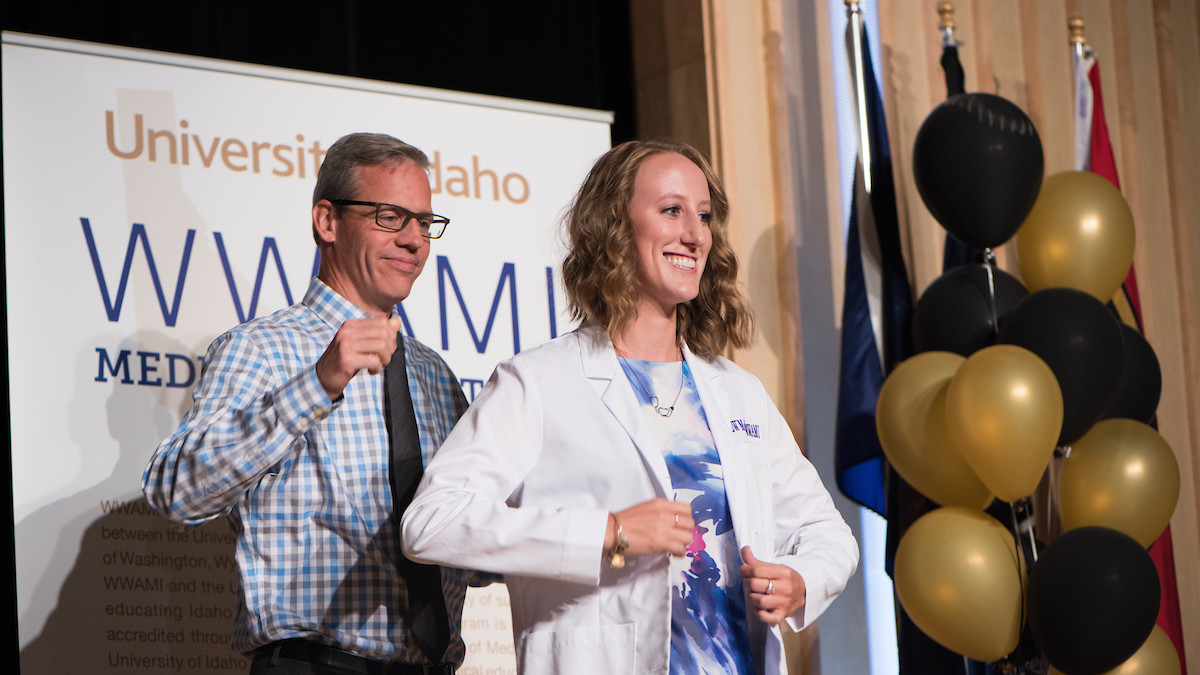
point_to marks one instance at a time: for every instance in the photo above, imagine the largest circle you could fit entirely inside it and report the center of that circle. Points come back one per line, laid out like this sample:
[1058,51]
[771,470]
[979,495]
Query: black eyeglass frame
[435,229]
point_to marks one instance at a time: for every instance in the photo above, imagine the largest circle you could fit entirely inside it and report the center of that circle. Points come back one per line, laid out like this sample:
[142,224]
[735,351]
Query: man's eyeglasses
[395,218]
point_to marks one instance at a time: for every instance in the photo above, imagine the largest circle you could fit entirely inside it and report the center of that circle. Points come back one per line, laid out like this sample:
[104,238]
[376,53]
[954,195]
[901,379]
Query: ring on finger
[770,587]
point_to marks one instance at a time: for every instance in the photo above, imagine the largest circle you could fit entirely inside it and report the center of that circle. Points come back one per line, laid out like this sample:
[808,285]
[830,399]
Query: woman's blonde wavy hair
[600,269]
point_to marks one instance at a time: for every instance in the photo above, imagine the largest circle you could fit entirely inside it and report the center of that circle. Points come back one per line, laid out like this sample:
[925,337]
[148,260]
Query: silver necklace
[663,411]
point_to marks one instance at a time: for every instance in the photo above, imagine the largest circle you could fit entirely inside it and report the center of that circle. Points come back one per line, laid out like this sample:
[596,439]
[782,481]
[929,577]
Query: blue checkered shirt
[304,481]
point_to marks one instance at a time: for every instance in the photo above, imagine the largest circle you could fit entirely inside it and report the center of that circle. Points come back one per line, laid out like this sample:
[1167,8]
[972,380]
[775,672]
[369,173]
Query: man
[291,437]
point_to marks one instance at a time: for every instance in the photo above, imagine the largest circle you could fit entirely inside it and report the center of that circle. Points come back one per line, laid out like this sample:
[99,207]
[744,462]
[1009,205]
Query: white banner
[152,201]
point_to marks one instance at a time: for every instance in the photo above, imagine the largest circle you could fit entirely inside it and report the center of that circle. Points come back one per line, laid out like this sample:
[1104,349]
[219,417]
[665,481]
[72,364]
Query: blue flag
[877,309]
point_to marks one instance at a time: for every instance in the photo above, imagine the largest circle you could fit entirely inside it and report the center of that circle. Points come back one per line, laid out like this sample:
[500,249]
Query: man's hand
[360,344]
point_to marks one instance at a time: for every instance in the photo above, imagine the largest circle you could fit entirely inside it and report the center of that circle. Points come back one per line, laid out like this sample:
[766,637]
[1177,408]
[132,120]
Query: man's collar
[331,307]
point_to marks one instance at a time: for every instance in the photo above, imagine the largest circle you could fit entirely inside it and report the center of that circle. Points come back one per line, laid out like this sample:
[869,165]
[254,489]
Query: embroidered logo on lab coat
[751,430]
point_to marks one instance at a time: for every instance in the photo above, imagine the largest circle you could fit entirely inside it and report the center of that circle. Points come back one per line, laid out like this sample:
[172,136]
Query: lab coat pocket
[585,649]
[764,547]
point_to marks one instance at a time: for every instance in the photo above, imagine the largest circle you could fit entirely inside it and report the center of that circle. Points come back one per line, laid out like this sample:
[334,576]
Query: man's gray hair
[338,176]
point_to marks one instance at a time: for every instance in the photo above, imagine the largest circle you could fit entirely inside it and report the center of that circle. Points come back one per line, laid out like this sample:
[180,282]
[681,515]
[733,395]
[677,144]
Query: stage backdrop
[151,202]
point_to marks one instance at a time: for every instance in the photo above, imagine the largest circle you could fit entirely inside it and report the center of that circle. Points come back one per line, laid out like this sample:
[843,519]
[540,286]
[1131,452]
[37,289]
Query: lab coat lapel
[714,389]
[714,396]
[601,366]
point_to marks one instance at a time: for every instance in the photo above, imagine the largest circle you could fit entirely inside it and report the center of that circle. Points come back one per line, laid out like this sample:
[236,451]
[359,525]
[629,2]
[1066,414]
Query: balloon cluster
[1008,372]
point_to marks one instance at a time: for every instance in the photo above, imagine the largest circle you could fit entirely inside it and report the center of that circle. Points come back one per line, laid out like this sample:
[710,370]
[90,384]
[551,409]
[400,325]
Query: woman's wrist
[615,552]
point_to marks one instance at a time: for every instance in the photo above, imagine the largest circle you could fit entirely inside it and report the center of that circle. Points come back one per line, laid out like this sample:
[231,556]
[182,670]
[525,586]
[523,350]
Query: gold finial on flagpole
[945,11]
[946,24]
[1078,41]
[1076,28]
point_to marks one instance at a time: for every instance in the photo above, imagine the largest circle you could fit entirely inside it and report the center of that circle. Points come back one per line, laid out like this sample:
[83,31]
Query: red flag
[1093,152]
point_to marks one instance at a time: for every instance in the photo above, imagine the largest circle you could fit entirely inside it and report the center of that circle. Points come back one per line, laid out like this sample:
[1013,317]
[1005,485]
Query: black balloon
[978,166]
[1076,335]
[1093,598]
[1141,380]
[955,313]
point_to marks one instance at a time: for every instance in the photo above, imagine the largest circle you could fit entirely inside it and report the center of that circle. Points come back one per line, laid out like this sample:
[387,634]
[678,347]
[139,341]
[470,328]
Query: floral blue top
[708,608]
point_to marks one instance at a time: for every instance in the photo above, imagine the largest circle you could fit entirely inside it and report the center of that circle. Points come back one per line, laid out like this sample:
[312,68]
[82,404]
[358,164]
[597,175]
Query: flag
[956,80]
[877,309]
[1093,152]
[919,653]
[956,252]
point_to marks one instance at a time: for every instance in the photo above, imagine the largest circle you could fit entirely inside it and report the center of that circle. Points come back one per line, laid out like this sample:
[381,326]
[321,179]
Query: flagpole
[1021,510]
[947,26]
[1099,159]
[854,31]
[1081,52]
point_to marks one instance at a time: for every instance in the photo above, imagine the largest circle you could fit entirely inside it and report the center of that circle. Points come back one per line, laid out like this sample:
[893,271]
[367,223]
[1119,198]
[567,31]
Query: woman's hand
[656,526]
[776,591]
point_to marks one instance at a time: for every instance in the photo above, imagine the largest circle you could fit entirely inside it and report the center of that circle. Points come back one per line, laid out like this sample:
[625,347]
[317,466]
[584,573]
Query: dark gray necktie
[427,617]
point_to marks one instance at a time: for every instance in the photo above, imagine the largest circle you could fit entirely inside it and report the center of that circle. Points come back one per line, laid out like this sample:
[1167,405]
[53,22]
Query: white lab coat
[524,484]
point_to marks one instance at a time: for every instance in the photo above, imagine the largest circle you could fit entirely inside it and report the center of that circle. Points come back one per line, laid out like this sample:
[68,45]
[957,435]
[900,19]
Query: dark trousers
[263,665]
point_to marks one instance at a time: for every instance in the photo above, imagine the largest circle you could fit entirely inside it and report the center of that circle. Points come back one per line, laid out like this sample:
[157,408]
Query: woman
[642,496]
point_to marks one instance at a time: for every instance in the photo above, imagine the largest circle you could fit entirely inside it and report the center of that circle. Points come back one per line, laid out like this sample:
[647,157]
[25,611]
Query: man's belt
[299,649]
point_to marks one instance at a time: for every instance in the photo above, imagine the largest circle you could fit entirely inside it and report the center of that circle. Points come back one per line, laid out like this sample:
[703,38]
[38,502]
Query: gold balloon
[958,576]
[1005,411]
[1121,475]
[911,420]
[1156,656]
[1078,235]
